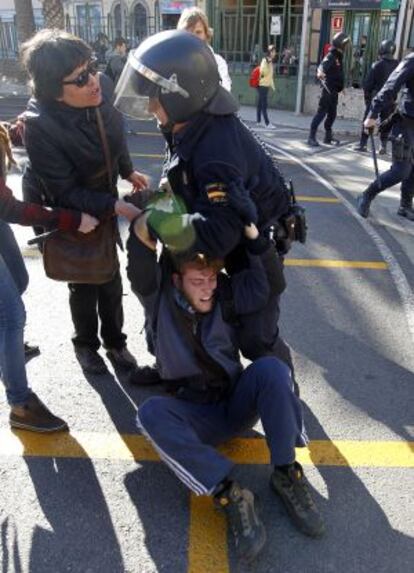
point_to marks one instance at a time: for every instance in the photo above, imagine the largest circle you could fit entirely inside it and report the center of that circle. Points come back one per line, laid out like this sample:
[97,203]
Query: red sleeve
[14,211]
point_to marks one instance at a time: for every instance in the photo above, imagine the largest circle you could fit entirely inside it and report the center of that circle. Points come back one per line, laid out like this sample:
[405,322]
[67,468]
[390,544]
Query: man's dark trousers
[328,103]
[185,433]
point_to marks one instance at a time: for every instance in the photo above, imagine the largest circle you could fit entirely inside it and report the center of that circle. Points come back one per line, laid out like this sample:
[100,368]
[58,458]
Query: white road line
[397,274]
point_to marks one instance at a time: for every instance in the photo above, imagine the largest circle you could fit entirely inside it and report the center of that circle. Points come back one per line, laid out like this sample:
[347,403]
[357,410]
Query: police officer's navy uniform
[376,78]
[402,134]
[332,67]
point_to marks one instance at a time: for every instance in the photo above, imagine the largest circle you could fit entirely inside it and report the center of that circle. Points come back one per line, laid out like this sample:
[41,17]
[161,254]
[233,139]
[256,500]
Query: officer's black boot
[330,139]
[365,199]
[312,141]
[406,206]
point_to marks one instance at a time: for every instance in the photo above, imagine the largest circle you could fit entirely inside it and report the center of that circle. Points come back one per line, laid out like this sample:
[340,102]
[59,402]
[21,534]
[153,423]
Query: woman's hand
[88,223]
[139,181]
[127,210]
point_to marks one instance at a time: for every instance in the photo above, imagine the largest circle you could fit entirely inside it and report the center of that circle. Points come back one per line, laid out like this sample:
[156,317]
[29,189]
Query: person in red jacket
[27,411]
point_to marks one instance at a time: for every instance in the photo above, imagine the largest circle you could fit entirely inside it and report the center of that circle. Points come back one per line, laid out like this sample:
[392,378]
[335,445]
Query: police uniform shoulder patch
[217,192]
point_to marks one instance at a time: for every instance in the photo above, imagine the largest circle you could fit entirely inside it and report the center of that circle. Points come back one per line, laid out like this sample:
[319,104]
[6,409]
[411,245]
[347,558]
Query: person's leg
[83,301]
[363,140]
[112,320]
[9,250]
[407,193]
[183,434]
[258,106]
[332,105]
[265,95]
[318,117]
[12,321]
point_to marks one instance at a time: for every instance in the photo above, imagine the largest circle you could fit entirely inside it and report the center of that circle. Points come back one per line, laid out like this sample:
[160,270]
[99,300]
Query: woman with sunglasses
[67,168]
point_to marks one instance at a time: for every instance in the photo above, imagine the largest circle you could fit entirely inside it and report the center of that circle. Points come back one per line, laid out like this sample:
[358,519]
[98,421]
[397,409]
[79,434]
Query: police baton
[324,85]
[374,153]
[42,237]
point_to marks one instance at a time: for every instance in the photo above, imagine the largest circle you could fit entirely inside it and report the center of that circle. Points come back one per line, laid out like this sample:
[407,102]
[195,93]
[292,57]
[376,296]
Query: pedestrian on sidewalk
[195,21]
[27,411]
[376,78]
[212,397]
[402,137]
[266,82]
[331,76]
[67,168]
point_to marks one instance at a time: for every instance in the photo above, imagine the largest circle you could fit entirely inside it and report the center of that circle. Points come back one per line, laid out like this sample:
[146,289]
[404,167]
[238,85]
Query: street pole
[122,8]
[400,26]
[302,56]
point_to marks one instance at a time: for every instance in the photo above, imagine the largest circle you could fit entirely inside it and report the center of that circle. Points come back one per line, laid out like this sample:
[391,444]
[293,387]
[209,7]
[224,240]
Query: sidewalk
[283,118]
[8,87]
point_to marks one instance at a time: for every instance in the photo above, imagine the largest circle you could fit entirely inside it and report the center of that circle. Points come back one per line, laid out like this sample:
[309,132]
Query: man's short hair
[48,57]
[197,261]
[192,16]
[119,42]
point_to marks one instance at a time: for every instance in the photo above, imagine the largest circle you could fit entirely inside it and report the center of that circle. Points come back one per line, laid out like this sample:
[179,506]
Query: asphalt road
[98,501]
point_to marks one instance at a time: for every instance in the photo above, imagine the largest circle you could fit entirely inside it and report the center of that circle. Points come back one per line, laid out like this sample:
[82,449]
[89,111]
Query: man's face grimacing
[198,287]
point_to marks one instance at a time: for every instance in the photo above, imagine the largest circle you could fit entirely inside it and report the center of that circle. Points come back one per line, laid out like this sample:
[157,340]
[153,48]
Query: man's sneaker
[35,417]
[331,140]
[31,350]
[270,126]
[293,490]
[313,142]
[382,150]
[144,376]
[240,508]
[407,212]
[90,361]
[121,358]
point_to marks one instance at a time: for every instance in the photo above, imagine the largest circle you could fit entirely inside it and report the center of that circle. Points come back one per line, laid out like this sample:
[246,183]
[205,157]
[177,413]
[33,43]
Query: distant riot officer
[331,75]
[213,162]
[402,137]
[374,81]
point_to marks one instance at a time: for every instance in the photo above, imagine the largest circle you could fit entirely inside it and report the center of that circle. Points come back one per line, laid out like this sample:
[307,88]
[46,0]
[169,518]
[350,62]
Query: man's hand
[139,181]
[88,223]
[370,123]
[320,74]
[251,232]
[127,210]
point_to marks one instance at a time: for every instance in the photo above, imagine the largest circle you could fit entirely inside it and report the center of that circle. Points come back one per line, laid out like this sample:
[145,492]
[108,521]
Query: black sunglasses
[83,78]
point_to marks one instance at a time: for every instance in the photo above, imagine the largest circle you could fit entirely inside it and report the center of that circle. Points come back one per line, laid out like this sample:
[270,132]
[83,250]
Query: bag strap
[105,146]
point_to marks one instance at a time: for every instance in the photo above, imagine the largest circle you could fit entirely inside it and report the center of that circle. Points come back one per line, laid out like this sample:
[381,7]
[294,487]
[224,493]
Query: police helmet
[340,40]
[387,48]
[180,71]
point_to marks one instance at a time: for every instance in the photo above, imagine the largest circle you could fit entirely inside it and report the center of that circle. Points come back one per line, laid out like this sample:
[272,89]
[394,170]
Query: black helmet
[180,71]
[340,40]
[387,48]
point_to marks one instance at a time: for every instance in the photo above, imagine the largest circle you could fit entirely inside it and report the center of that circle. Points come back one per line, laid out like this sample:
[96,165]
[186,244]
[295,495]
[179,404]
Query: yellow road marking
[330,263]
[148,155]
[314,199]
[114,446]
[207,538]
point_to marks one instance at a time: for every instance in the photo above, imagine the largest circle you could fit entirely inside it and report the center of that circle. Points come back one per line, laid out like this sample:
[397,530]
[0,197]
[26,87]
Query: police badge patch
[217,193]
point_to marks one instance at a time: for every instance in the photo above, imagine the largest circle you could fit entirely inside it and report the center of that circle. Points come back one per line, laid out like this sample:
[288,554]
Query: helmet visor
[131,97]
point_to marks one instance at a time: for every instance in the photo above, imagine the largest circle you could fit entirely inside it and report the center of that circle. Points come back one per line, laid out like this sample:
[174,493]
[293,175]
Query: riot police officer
[213,161]
[331,75]
[402,136]
[374,81]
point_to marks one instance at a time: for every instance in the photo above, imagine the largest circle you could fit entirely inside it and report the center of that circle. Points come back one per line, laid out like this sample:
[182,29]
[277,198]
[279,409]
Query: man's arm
[143,269]
[388,94]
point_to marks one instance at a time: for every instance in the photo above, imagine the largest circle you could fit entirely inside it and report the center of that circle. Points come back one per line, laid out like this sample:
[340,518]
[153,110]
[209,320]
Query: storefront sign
[175,6]
[276,25]
[337,23]
[390,4]
[350,4]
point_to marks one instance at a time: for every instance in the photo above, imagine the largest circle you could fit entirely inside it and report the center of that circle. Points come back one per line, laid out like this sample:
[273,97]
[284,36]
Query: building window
[140,23]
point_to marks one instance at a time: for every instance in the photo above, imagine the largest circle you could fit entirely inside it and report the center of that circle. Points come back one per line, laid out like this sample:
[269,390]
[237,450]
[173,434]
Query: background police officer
[213,162]
[402,169]
[331,75]
[374,81]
